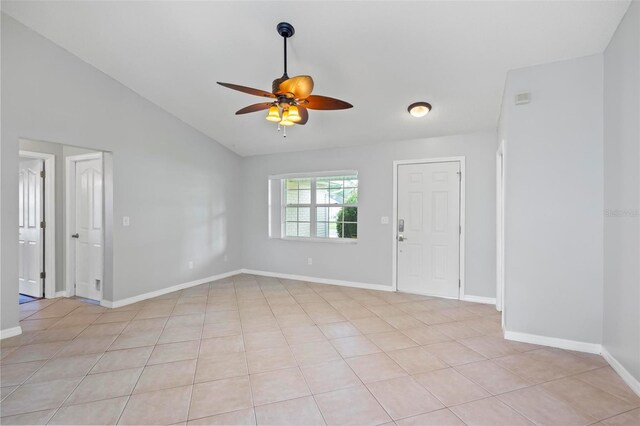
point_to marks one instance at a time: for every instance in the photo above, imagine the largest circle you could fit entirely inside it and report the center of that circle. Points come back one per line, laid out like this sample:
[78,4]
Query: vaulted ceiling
[379,56]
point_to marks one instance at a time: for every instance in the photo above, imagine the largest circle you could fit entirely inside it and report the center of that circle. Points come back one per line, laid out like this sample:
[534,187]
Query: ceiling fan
[290,97]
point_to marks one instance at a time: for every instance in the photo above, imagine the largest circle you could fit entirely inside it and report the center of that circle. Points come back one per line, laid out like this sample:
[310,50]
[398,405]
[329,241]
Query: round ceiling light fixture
[419,109]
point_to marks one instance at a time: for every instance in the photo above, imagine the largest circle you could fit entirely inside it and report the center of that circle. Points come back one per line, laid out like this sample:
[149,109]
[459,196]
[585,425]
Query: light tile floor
[249,350]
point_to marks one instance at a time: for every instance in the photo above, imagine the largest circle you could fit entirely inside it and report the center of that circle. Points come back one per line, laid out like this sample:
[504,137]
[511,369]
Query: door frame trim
[394,234]
[70,178]
[500,229]
[49,194]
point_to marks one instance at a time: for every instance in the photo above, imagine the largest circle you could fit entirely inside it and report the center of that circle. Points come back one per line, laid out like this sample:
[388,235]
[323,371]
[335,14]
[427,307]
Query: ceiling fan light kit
[290,97]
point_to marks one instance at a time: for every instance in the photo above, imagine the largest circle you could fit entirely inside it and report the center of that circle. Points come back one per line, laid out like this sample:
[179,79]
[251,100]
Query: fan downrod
[285,29]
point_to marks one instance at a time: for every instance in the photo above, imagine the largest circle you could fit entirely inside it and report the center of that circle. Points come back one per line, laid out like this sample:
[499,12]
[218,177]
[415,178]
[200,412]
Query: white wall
[369,261]
[622,193]
[554,200]
[178,186]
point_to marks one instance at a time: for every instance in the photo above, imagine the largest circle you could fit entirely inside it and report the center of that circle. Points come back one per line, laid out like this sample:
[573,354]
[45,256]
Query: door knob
[75,235]
[402,238]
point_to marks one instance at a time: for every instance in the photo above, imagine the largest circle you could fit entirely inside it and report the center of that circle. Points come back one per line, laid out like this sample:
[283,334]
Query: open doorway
[64,191]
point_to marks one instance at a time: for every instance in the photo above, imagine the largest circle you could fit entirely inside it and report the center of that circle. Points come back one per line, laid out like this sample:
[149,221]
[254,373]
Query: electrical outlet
[191,264]
[384,220]
[309,261]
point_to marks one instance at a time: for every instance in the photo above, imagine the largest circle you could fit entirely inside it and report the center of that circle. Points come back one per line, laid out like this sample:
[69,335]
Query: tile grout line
[124,408]
[49,359]
[70,393]
[328,302]
[302,372]
[195,370]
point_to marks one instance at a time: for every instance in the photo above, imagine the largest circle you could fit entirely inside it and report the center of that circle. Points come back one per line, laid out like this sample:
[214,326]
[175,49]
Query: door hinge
[460,230]
[459,175]
[43,224]
[43,275]
[459,283]
[43,174]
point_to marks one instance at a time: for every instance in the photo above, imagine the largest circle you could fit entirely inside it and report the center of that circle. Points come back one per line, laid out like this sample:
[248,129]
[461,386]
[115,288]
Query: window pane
[292,214]
[349,214]
[304,183]
[291,229]
[322,196]
[333,230]
[292,197]
[322,183]
[304,196]
[350,230]
[335,213]
[351,196]
[336,195]
[304,214]
[292,184]
[322,229]
[336,182]
[322,214]
[350,182]
[304,229]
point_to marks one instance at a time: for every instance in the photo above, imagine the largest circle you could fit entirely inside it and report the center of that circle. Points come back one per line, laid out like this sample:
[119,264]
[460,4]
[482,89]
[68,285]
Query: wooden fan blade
[254,108]
[300,86]
[249,90]
[325,103]
[304,115]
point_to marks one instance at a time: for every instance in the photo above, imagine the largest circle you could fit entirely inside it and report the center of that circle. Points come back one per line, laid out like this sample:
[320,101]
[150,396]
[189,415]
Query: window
[321,207]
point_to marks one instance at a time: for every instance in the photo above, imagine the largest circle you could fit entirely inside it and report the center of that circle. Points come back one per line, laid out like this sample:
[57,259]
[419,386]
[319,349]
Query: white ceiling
[379,56]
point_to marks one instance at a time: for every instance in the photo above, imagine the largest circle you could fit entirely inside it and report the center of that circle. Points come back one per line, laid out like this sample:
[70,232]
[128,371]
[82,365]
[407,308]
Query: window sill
[322,240]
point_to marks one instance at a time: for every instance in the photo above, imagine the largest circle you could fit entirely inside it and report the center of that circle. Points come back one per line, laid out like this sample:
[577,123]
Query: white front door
[88,229]
[428,229]
[30,231]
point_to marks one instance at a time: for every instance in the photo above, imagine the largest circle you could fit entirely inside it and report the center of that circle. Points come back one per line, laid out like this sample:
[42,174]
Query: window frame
[313,206]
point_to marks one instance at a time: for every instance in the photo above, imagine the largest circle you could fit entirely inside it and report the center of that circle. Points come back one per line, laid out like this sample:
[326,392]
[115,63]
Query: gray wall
[61,152]
[554,200]
[369,261]
[178,186]
[622,193]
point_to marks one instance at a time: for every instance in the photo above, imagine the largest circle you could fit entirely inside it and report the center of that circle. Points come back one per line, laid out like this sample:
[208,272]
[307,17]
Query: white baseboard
[145,296]
[61,294]
[319,280]
[478,299]
[572,345]
[10,332]
[631,381]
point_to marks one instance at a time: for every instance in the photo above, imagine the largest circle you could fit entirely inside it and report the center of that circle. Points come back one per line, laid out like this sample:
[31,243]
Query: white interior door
[429,228]
[30,231]
[88,234]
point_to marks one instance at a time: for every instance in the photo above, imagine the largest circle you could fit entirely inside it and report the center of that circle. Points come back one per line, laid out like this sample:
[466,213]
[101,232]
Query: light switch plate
[125,220]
